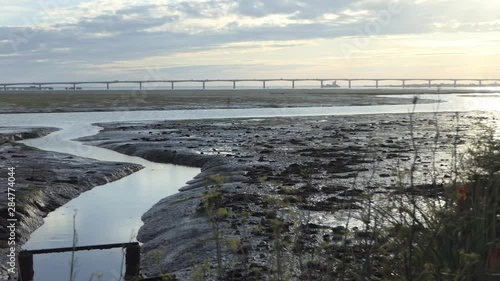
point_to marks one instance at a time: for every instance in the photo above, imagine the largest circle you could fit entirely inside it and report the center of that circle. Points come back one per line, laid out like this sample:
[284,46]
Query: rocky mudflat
[309,175]
[44,181]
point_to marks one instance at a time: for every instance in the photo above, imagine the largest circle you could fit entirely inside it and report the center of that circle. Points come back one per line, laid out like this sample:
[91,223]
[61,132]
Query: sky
[88,40]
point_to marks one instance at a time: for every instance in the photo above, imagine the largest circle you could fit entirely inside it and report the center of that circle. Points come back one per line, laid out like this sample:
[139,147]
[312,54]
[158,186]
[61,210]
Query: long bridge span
[203,82]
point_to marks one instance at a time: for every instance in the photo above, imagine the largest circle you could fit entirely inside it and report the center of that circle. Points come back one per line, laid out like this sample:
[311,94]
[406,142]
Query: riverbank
[44,181]
[322,167]
[133,100]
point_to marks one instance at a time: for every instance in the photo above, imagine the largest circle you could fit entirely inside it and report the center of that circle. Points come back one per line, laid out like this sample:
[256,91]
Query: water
[111,213]
[106,214]
[78,124]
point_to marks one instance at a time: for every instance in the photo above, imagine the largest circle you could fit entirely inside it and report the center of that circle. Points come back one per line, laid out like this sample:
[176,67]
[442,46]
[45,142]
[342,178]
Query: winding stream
[111,213]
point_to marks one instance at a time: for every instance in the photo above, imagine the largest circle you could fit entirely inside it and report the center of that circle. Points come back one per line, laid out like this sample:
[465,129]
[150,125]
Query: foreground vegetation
[435,232]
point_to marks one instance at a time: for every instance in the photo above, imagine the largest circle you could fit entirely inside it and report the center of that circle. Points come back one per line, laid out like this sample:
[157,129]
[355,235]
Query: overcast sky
[65,40]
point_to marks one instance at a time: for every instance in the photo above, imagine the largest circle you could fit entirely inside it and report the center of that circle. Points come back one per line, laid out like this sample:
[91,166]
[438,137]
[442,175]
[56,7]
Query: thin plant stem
[72,273]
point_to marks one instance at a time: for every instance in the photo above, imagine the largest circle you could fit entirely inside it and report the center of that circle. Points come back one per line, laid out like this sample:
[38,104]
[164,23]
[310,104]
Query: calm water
[106,214]
[111,213]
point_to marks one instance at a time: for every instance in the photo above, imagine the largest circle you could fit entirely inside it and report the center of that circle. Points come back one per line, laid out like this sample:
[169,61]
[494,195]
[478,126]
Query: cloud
[103,32]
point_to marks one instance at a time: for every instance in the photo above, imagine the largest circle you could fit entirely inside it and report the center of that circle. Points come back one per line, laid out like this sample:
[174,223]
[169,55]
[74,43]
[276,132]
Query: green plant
[213,199]
[453,236]
[201,271]
[157,256]
[234,244]
[168,277]
[257,230]
[277,226]
[99,276]
[256,271]
[72,273]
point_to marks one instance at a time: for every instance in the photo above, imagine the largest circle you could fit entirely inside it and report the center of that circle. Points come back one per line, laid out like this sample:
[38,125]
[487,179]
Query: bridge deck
[140,83]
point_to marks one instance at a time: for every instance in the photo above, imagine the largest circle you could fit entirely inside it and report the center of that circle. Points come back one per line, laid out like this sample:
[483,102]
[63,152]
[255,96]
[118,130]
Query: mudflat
[124,100]
[323,168]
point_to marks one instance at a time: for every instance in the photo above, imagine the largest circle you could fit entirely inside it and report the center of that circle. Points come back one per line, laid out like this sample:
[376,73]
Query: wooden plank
[81,248]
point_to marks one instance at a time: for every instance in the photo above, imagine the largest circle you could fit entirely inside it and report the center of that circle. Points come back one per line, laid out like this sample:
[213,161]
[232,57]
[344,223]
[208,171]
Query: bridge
[265,82]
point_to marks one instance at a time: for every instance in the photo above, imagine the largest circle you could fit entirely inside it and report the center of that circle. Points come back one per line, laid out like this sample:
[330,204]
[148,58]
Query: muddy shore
[44,181]
[321,166]
[130,100]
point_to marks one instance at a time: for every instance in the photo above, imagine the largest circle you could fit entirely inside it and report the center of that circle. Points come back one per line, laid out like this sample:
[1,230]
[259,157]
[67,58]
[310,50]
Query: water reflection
[106,214]
[58,265]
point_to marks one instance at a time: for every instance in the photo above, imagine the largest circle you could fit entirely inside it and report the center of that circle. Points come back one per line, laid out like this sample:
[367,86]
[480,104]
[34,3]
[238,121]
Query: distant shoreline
[371,91]
[134,100]
[120,100]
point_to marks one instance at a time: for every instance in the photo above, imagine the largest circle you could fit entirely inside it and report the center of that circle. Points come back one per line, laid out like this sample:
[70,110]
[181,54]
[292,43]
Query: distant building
[333,85]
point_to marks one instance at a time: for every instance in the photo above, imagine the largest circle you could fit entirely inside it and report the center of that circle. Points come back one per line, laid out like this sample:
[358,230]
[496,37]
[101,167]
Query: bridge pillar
[430,83]
[5,87]
[107,86]
[350,84]
[376,83]
[203,85]
[172,85]
[234,84]
[74,87]
[140,86]
[39,86]
[404,83]
[480,83]
[293,84]
[454,83]
[263,84]
[322,86]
